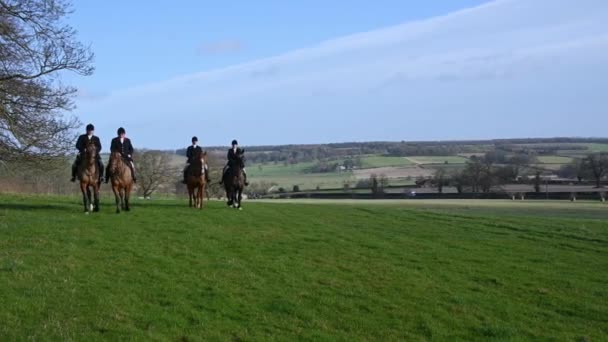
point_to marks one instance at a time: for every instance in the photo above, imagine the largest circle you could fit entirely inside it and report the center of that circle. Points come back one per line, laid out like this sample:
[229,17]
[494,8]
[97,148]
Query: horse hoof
[86,213]
[241,209]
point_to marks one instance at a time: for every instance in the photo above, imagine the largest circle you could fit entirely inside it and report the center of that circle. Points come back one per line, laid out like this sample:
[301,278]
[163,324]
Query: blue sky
[277,72]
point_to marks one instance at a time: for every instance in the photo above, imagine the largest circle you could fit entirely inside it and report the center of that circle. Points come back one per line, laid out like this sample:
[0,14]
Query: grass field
[269,170]
[597,147]
[438,159]
[394,270]
[287,176]
[382,161]
[554,160]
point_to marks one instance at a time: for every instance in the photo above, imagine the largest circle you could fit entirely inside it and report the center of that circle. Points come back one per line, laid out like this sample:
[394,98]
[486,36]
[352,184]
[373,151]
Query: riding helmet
[121,131]
[90,127]
[234,142]
[194,139]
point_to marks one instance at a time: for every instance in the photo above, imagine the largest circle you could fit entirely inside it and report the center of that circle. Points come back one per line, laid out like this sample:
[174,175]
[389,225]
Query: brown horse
[234,182]
[88,174]
[122,181]
[195,180]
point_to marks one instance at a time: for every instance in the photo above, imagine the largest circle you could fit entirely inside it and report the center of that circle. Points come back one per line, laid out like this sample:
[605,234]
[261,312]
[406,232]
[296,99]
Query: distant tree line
[293,154]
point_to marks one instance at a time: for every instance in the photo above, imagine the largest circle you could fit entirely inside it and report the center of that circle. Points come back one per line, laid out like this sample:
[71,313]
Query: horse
[122,181]
[88,175]
[195,180]
[234,183]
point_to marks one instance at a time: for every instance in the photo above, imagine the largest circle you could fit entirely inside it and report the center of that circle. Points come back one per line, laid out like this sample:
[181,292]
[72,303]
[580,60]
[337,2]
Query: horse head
[200,155]
[115,159]
[199,161]
[240,156]
[91,153]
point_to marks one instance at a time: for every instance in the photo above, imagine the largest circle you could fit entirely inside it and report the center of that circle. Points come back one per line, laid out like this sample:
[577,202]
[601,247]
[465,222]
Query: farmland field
[597,147]
[394,270]
[438,159]
[382,161]
[267,170]
[287,176]
[554,160]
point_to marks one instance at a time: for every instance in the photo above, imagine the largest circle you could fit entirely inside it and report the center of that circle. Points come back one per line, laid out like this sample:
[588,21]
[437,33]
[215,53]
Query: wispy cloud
[480,72]
[220,47]
[85,94]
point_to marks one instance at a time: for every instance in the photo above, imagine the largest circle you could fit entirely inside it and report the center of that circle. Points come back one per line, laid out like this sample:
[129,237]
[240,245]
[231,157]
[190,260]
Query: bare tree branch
[35,46]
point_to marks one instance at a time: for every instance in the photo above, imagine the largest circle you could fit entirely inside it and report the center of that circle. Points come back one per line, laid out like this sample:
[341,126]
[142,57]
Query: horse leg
[228,197]
[240,198]
[127,198]
[96,196]
[202,196]
[90,200]
[190,195]
[84,197]
[195,194]
[199,196]
[117,198]
[121,192]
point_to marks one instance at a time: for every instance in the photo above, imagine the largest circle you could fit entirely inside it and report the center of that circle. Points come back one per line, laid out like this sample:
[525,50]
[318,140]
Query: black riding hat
[90,127]
[194,139]
[121,131]
[234,142]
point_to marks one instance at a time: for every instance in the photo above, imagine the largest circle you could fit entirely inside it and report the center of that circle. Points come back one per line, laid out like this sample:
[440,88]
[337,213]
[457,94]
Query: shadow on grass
[32,207]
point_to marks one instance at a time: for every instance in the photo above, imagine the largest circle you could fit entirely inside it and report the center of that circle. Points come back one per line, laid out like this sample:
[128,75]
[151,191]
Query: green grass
[291,271]
[597,147]
[272,170]
[287,176]
[382,161]
[438,159]
[554,160]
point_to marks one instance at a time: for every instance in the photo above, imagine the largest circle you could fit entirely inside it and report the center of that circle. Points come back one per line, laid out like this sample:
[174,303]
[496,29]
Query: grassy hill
[392,271]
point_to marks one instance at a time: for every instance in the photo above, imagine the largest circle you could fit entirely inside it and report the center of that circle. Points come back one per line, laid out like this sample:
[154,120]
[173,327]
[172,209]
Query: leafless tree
[155,170]
[440,179]
[35,48]
[597,164]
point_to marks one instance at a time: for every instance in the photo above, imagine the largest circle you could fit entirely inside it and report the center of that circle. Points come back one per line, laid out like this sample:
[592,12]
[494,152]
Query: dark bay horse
[195,180]
[234,182]
[122,181]
[88,175]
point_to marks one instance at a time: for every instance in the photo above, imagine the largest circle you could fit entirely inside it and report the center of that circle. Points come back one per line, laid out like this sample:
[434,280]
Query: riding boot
[185,175]
[133,173]
[223,174]
[74,167]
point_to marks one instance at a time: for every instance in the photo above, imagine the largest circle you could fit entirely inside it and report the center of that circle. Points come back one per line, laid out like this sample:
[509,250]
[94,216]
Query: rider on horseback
[81,145]
[191,153]
[123,145]
[233,159]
